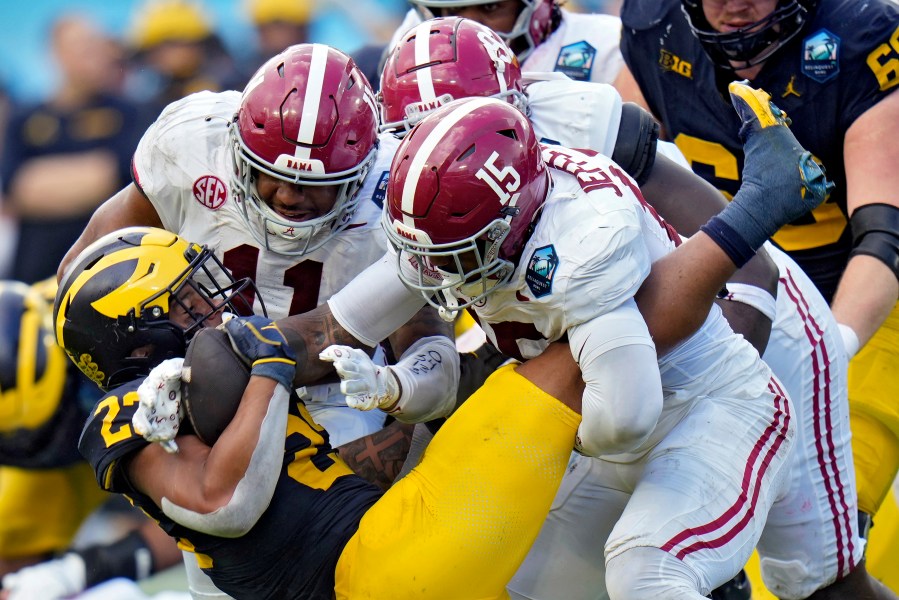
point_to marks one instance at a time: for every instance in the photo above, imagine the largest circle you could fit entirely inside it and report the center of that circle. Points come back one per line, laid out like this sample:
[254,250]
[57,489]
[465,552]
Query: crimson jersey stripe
[825,446]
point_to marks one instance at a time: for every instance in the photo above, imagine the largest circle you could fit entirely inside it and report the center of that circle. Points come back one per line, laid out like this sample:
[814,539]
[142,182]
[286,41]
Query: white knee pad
[788,579]
[646,573]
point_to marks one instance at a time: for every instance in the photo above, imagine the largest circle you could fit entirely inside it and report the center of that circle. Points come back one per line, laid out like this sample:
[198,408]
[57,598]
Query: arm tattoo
[425,323]
[310,333]
[379,457]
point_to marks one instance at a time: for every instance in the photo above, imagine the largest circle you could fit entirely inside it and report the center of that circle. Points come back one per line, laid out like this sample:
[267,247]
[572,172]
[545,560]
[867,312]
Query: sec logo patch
[210,191]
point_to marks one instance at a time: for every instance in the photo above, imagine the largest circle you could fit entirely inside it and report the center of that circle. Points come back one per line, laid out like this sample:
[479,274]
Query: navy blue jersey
[844,61]
[293,549]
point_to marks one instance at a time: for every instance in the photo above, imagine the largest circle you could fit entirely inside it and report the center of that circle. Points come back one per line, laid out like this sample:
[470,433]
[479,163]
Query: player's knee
[645,573]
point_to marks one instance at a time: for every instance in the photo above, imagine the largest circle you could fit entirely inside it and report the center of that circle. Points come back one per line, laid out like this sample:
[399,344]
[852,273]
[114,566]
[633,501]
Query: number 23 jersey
[292,550]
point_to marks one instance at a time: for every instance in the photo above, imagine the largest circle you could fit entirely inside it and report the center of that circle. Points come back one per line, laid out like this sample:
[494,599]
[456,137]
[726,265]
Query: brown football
[216,380]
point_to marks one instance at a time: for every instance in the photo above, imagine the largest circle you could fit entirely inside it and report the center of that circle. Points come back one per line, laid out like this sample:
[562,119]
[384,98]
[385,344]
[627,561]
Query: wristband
[727,238]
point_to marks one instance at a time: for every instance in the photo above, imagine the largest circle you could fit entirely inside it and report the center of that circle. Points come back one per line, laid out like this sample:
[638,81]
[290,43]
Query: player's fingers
[335,352]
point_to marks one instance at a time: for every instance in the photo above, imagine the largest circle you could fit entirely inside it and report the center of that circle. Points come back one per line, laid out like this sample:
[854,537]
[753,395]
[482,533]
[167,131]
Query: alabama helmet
[536,21]
[117,295]
[465,187]
[754,43]
[307,117]
[441,60]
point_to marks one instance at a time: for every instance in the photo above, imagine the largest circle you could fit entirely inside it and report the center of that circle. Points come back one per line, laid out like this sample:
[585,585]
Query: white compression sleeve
[623,395]
[254,491]
[375,303]
[428,376]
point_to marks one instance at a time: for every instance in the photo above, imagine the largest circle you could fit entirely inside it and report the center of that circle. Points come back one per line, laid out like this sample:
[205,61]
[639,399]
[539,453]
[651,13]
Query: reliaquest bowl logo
[821,56]
[541,270]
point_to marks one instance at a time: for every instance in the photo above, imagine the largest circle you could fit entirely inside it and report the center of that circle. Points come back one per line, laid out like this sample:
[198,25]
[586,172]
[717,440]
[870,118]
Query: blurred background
[26,63]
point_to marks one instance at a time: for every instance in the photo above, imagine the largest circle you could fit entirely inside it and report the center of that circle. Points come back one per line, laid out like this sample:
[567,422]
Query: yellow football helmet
[116,297]
[32,366]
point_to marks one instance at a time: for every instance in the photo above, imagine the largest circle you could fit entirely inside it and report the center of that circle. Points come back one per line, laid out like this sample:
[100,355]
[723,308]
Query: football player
[544,36]
[462,58]
[831,65]
[275,515]
[46,489]
[501,257]
[276,181]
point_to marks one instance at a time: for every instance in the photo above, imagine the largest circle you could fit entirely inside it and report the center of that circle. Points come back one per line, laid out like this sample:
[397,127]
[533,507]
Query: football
[216,378]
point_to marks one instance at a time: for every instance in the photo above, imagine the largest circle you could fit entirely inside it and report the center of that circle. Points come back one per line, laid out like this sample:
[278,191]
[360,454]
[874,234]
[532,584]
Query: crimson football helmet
[537,19]
[465,186]
[441,60]
[755,43]
[118,294]
[307,117]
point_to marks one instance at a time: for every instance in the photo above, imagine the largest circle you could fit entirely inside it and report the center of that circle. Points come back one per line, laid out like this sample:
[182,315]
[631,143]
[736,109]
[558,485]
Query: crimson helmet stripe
[422,57]
[434,137]
[312,100]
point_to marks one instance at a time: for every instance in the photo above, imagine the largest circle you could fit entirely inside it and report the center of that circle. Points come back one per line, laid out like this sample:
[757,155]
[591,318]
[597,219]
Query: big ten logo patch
[541,270]
[672,62]
[210,191]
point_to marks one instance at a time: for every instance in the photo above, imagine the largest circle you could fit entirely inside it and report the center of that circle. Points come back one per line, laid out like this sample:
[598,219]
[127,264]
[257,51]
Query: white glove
[365,384]
[51,580]
[850,340]
[160,412]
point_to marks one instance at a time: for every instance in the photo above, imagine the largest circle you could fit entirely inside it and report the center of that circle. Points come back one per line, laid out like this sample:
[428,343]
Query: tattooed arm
[310,333]
[425,323]
[380,456]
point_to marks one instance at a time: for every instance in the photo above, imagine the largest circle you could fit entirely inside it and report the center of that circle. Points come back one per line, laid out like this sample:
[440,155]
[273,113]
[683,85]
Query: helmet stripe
[312,100]
[423,57]
[446,123]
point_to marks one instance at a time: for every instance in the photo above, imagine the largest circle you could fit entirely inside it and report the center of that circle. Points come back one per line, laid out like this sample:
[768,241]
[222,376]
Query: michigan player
[831,65]
[270,516]
[46,489]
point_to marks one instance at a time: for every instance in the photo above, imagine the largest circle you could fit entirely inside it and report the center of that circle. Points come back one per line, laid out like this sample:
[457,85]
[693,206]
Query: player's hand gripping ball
[216,378]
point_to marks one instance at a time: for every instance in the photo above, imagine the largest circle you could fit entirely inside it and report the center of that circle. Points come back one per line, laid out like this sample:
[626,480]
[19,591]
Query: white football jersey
[183,165]
[584,47]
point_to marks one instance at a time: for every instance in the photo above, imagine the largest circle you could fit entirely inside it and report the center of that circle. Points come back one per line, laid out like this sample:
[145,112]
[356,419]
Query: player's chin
[213,320]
